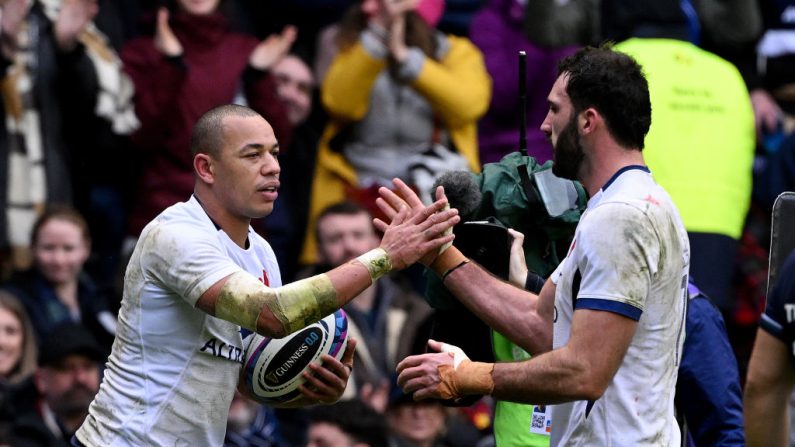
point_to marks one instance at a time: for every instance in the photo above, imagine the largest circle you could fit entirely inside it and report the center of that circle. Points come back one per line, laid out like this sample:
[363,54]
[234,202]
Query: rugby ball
[273,367]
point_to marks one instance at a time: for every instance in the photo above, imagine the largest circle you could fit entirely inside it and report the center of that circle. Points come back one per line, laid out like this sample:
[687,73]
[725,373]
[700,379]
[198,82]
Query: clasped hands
[415,232]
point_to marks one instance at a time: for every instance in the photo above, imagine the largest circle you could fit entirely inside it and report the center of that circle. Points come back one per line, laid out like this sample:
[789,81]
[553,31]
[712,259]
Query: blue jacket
[708,392]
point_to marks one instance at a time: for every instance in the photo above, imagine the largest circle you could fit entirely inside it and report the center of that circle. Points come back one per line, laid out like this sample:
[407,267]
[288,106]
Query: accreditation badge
[540,422]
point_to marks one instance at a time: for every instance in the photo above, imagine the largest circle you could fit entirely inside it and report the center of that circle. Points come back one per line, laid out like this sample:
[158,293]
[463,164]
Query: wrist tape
[468,378]
[377,263]
[448,261]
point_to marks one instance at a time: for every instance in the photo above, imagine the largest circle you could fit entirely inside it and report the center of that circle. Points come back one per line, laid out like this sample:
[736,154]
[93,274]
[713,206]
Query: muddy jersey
[630,255]
[173,369]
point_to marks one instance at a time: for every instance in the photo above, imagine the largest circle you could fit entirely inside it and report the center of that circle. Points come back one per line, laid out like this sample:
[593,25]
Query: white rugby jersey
[630,255]
[173,369]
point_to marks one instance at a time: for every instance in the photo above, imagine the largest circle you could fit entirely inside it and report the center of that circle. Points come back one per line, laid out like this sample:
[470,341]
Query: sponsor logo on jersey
[220,349]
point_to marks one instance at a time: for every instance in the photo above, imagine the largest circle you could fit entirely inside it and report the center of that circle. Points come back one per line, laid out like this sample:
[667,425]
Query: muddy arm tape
[377,263]
[295,305]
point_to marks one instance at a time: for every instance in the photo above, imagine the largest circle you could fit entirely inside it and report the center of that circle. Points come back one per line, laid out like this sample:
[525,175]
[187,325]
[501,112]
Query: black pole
[522,103]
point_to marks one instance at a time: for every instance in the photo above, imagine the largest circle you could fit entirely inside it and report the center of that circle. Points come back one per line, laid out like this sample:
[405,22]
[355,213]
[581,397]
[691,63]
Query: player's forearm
[280,311]
[551,378]
[556,377]
[353,277]
[511,311]
[768,386]
[766,415]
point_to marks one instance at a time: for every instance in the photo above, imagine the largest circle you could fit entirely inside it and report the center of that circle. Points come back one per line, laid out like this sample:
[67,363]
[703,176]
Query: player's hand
[410,238]
[517,268]
[423,374]
[390,202]
[72,20]
[274,47]
[166,41]
[326,383]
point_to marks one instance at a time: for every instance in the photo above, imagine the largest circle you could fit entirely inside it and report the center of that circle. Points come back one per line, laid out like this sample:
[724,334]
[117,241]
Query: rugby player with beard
[605,331]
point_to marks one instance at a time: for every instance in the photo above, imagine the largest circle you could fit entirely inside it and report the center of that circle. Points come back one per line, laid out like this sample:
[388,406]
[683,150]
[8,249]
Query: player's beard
[568,154]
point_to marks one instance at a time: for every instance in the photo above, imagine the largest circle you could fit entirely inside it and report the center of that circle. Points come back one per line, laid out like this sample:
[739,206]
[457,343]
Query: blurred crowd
[98,102]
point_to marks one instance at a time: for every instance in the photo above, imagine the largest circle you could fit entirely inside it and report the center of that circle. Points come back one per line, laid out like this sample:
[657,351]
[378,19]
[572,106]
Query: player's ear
[203,165]
[587,120]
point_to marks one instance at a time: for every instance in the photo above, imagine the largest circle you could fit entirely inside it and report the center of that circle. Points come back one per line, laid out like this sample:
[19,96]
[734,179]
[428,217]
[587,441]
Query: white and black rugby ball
[273,367]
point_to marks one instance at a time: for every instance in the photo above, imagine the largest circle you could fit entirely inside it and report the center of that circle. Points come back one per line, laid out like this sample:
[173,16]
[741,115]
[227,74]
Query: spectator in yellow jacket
[403,101]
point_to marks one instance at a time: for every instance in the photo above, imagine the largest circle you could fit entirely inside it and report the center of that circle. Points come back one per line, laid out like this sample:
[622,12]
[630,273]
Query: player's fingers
[435,219]
[401,216]
[440,195]
[428,211]
[313,396]
[425,393]
[330,364]
[420,383]
[411,385]
[434,244]
[385,207]
[407,193]
[439,223]
[324,380]
[408,362]
[348,355]
[412,361]
[380,225]
[435,346]
[404,375]
[390,198]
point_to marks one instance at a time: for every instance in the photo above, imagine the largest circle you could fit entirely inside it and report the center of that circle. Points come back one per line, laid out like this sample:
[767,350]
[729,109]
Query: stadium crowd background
[99,97]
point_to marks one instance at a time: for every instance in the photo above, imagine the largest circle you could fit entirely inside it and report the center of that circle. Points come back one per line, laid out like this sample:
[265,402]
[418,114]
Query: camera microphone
[462,192]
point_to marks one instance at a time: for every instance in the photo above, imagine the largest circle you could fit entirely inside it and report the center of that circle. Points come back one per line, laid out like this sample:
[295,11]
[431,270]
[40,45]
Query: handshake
[415,232]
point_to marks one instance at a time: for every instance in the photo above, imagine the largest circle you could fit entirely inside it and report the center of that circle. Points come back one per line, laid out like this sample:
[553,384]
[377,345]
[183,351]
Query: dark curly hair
[612,83]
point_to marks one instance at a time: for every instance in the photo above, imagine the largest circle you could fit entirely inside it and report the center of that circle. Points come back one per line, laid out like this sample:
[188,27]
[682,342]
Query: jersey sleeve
[184,259]
[620,250]
[780,308]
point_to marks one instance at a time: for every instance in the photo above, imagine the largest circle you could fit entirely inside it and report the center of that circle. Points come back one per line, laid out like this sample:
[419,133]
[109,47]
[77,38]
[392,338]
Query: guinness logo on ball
[293,357]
